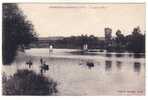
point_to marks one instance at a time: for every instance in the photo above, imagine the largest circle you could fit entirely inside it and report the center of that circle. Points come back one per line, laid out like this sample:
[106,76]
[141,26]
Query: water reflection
[108,55]
[137,66]
[130,55]
[138,55]
[119,64]
[119,55]
[108,65]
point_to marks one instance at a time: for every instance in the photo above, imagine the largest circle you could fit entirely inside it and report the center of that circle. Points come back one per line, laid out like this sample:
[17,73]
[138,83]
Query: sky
[76,19]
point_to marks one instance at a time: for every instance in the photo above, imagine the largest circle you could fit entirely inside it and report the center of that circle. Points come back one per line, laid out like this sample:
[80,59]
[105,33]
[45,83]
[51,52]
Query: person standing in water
[41,61]
[50,49]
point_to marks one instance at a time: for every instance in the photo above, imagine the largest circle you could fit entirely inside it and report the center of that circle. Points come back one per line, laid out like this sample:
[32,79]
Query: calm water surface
[112,74]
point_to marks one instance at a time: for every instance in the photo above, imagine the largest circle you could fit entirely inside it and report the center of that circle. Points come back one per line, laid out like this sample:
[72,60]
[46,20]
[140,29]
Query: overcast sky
[77,19]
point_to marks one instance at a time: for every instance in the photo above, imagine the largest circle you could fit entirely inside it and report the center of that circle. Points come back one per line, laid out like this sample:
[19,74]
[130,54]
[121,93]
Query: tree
[120,41]
[136,41]
[16,31]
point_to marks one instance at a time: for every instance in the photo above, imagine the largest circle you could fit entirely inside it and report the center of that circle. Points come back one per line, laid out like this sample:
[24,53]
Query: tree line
[134,42]
[76,42]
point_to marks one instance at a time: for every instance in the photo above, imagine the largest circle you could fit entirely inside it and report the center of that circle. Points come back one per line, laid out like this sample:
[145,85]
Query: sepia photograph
[73,49]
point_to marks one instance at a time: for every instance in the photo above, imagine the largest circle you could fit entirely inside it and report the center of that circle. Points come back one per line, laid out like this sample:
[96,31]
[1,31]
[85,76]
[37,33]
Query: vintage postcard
[73,49]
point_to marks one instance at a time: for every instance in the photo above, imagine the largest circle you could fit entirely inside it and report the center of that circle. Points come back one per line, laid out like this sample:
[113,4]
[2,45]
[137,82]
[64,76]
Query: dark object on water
[44,67]
[29,63]
[90,64]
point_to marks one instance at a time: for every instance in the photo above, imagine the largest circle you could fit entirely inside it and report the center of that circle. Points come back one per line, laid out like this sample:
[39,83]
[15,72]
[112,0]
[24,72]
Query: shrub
[25,82]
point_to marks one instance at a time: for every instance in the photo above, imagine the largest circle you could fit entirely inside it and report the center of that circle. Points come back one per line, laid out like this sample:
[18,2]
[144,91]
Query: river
[111,74]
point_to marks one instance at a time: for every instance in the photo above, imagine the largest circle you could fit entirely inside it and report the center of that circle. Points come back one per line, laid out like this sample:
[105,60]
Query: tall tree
[16,31]
[120,41]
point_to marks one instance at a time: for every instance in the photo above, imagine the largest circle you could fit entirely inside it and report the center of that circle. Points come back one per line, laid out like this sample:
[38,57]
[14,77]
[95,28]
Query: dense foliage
[134,42]
[76,42]
[26,82]
[16,31]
